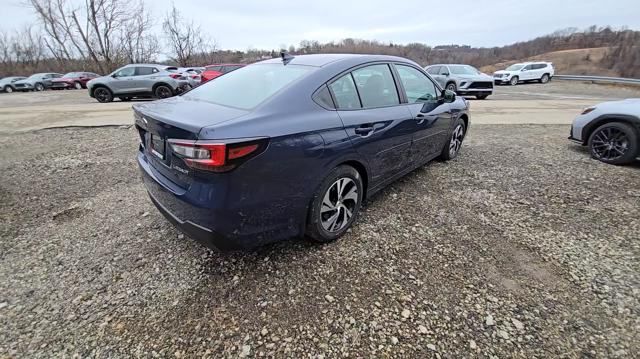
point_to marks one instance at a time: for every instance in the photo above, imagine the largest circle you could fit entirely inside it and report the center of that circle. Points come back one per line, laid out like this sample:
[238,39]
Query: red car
[212,71]
[73,80]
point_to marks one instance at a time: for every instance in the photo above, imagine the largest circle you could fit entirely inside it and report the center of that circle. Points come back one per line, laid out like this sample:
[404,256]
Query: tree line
[101,35]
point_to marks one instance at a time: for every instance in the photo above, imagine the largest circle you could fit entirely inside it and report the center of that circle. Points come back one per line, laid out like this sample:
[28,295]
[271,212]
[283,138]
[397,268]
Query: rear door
[146,77]
[379,127]
[431,116]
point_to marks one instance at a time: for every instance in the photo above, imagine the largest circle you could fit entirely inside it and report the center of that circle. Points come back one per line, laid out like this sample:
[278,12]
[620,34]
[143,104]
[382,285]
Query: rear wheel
[514,81]
[544,79]
[335,205]
[103,94]
[39,87]
[615,143]
[452,147]
[163,91]
[451,86]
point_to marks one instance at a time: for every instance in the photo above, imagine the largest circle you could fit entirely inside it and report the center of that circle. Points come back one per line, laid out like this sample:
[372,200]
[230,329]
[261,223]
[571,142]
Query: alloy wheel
[544,79]
[78,86]
[514,81]
[101,94]
[456,140]
[163,92]
[39,87]
[609,144]
[451,87]
[8,89]
[338,204]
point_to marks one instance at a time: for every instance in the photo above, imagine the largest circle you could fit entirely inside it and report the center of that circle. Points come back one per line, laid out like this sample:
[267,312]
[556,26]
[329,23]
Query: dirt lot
[521,247]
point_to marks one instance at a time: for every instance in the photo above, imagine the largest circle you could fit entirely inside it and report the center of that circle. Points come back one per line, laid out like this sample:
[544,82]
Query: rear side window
[417,85]
[214,68]
[346,95]
[323,98]
[376,86]
[142,71]
[434,70]
[247,87]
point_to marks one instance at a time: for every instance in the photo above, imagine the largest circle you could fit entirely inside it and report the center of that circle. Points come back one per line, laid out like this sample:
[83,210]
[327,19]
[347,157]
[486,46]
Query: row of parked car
[135,80]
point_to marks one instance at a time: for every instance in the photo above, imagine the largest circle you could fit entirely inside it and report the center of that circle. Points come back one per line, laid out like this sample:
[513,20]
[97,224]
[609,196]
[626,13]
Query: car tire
[38,87]
[452,147]
[451,86]
[544,79]
[514,80]
[77,85]
[163,91]
[619,137]
[339,194]
[103,94]
[8,89]
[482,97]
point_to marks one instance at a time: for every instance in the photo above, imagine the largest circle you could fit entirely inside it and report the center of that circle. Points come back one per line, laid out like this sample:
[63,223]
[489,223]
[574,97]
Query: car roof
[449,65]
[152,65]
[320,60]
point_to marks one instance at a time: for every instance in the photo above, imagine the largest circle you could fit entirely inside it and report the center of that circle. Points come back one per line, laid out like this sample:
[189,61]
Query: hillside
[567,62]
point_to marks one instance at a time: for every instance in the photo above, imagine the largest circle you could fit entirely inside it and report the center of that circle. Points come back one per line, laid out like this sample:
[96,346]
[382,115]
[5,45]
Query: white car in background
[611,130]
[526,71]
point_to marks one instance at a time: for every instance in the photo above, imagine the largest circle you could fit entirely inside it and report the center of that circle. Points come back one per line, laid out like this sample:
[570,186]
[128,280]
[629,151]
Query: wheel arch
[604,119]
[156,85]
[97,86]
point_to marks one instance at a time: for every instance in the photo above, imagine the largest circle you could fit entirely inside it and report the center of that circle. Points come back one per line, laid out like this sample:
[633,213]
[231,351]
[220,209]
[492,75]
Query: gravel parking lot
[521,247]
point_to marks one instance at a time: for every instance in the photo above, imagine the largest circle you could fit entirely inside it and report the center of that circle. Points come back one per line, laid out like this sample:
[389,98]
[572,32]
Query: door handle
[420,118]
[364,130]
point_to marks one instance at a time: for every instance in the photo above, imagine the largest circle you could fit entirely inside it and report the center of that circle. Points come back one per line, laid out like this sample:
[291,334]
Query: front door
[123,80]
[432,116]
[379,127]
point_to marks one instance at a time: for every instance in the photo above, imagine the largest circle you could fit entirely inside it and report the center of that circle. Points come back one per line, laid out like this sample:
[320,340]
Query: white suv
[527,71]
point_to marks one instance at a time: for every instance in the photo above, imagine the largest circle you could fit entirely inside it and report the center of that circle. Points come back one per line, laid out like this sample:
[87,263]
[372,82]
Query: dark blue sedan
[292,146]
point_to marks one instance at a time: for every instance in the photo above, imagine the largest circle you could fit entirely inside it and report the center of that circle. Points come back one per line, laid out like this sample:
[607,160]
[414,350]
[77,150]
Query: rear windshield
[247,87]
[72,75]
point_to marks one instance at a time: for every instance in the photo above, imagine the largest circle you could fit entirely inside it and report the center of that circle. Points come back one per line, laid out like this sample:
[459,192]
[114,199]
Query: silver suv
[136,80]
[465,80]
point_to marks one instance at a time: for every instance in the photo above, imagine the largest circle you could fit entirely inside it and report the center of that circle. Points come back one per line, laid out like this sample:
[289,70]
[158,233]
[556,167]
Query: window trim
[350,72]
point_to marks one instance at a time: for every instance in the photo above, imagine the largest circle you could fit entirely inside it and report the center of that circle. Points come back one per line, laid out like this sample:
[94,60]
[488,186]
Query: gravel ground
[521,247]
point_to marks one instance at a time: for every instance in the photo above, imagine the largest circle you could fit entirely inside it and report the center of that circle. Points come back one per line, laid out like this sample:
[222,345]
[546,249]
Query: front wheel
[452,147]
[39,87]
[335,205]
[615,143]
[452,87]
[8,89]
[78,86]
[103,95]
[514,80]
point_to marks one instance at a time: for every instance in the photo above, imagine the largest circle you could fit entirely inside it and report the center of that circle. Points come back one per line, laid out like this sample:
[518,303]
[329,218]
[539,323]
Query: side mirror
[523,70]
[114,75]
[448,96]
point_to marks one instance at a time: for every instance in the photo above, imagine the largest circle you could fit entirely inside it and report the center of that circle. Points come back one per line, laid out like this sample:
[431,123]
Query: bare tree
[184,39]
[104,32]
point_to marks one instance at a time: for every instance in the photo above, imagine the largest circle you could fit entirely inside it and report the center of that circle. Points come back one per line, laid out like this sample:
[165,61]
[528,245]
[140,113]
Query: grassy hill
[567,62]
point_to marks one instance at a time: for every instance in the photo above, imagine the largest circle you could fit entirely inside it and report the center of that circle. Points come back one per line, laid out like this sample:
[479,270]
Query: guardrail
[603,79]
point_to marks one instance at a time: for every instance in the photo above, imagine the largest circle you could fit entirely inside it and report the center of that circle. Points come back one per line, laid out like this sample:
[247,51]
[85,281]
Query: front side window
[127,71]
[376,86]
[345,93]
[418,87]
[247,87]
[444,71]
[528,67]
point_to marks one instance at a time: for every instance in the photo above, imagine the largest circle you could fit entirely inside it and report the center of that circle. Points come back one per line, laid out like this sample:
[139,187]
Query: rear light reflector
[238,152]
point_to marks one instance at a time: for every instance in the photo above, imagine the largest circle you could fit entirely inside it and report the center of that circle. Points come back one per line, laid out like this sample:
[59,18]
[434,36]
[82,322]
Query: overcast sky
[268,24]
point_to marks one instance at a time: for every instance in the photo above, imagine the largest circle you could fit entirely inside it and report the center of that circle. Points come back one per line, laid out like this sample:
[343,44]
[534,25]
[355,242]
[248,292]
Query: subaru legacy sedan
[291,147]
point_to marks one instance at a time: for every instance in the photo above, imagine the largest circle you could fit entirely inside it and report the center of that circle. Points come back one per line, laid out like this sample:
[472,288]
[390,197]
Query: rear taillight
[175,76]
[216,156]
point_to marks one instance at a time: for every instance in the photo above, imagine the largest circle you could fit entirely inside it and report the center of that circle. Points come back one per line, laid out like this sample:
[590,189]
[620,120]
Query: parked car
[73,80]
[465,80]
[136,80]
[212,71]
[611,130]
[193,75]
[6,84]
[36,82]
[528,71]
[283,148]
